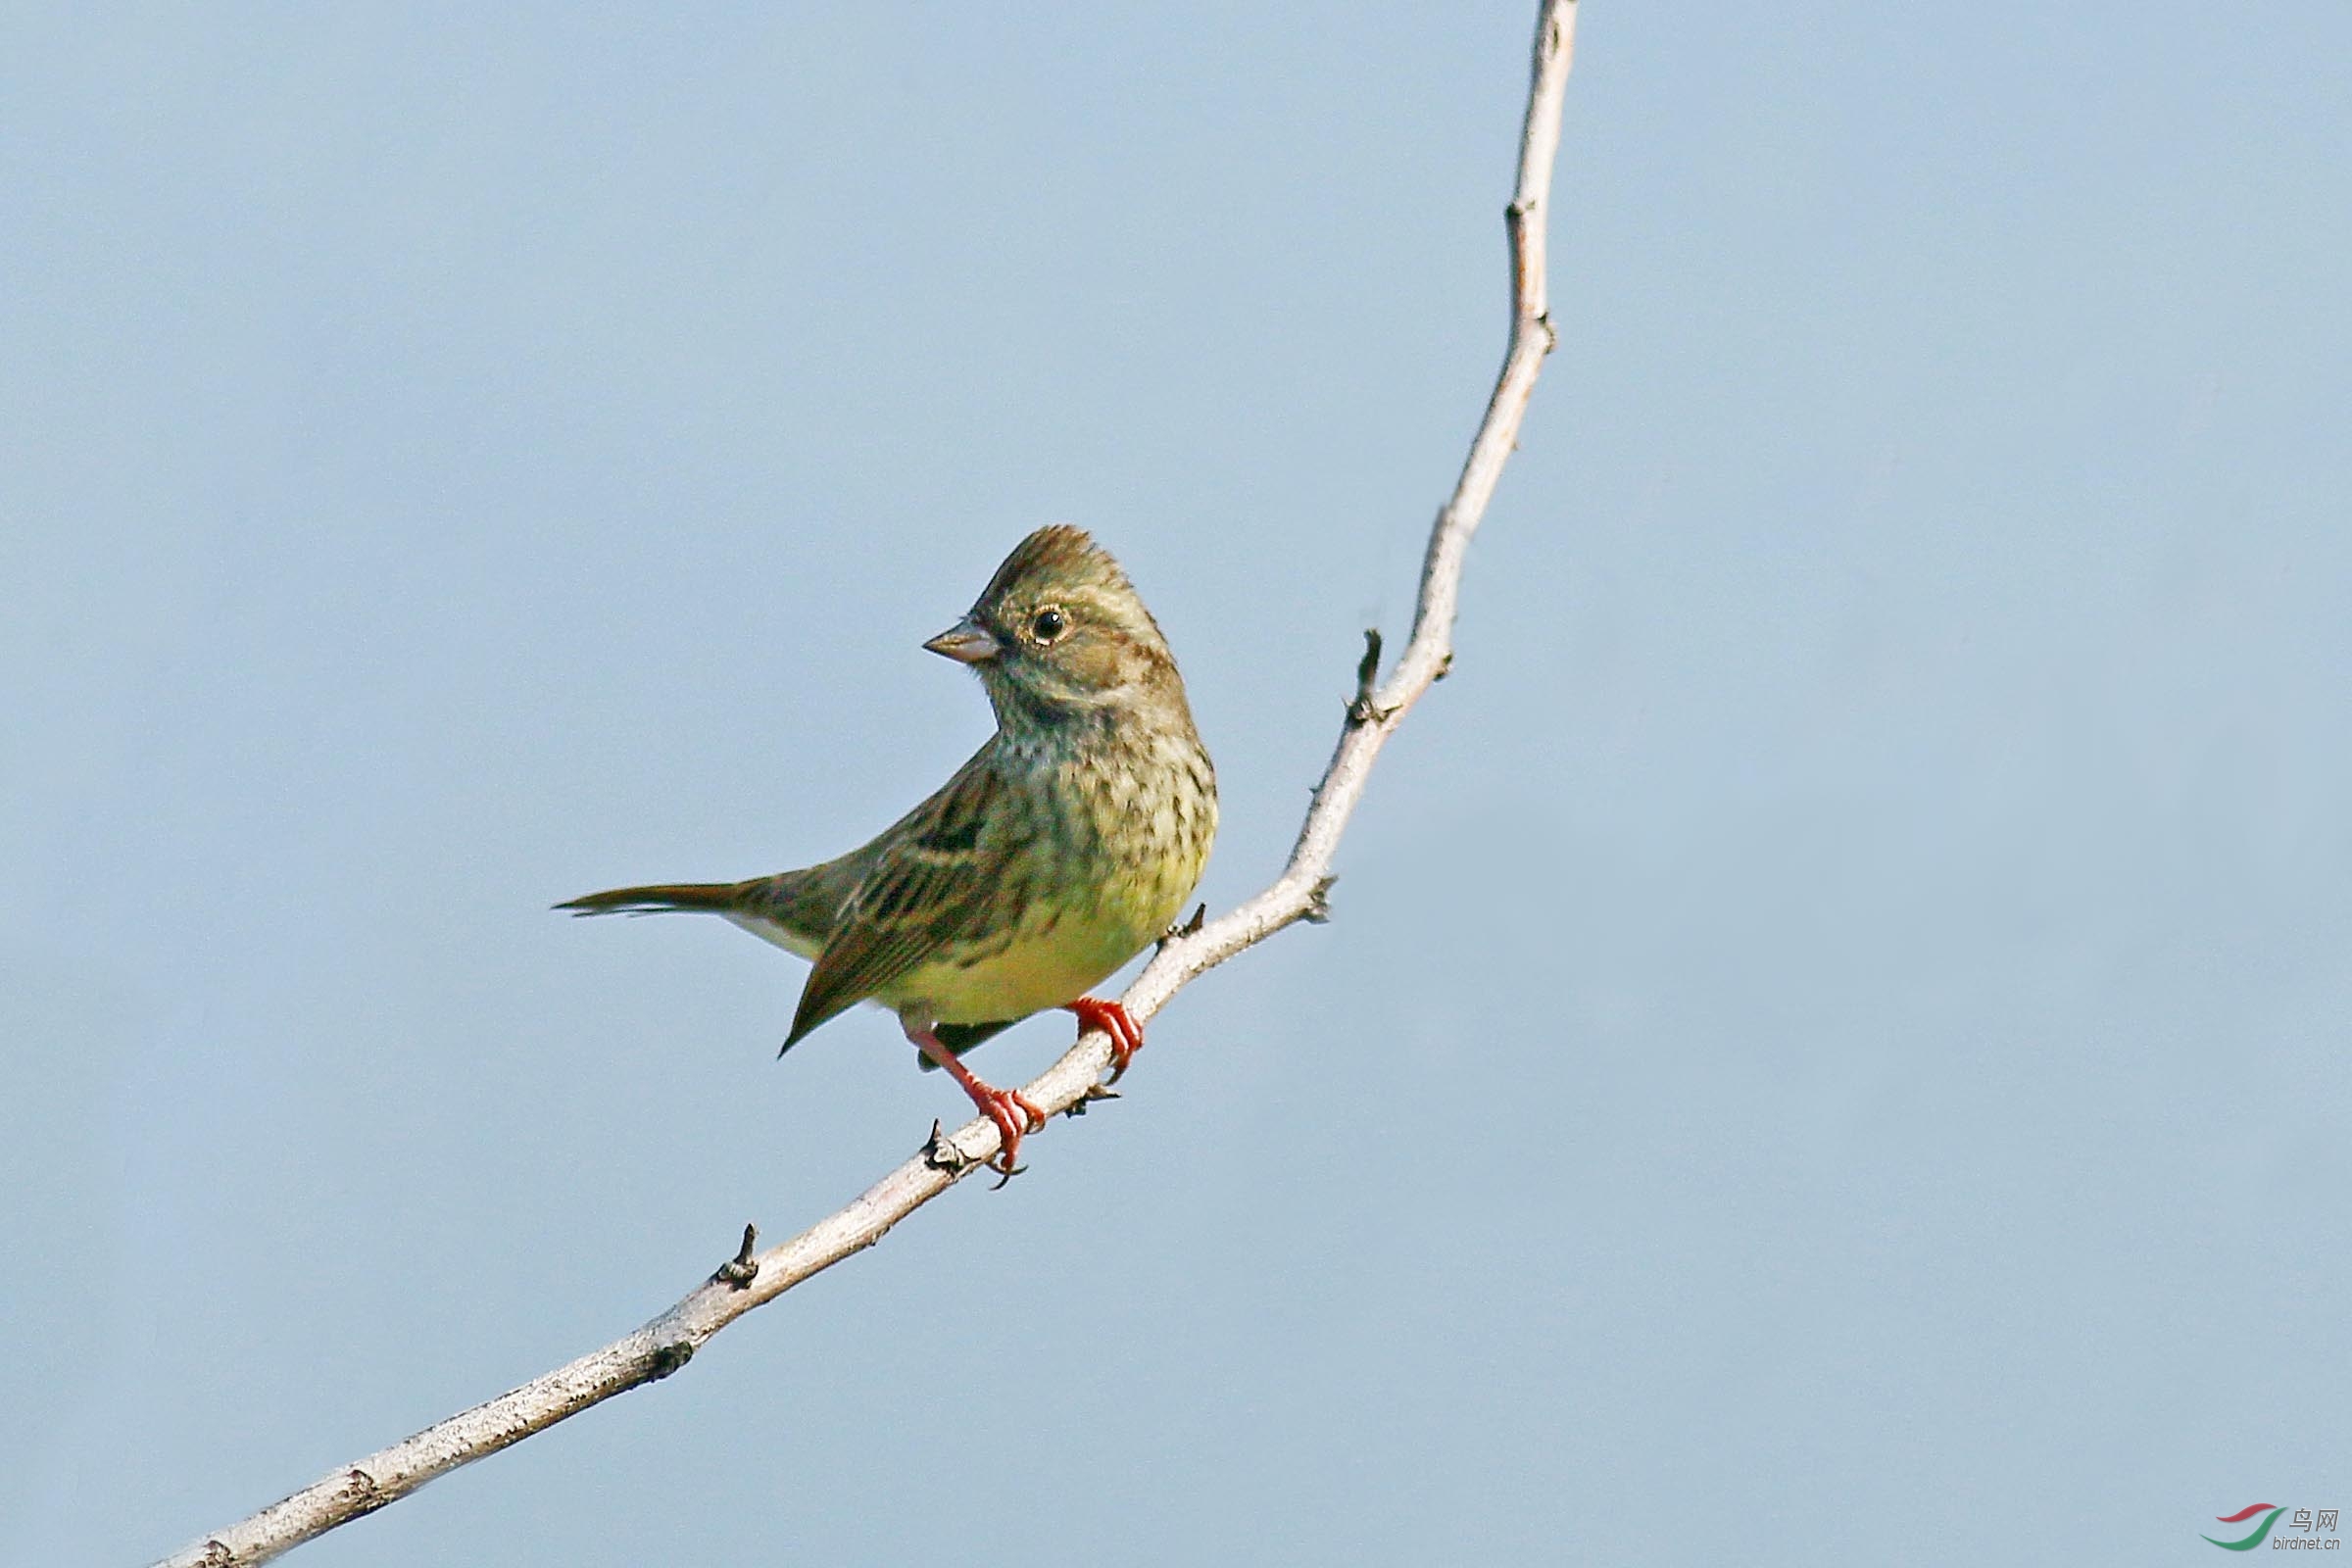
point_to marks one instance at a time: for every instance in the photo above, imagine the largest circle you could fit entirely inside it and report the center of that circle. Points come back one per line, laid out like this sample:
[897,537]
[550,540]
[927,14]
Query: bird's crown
[1068,630]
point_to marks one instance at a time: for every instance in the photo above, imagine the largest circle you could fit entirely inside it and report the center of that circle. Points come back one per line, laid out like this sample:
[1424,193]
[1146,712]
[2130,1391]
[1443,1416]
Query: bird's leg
[999,1105]
[1112,1019]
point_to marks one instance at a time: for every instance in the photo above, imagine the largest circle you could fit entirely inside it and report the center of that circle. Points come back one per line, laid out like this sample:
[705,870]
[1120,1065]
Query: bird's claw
[1000,1106]
[1115,1020]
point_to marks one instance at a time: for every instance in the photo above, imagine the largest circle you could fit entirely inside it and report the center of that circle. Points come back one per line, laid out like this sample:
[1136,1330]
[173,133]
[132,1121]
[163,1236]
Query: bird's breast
[1116,838]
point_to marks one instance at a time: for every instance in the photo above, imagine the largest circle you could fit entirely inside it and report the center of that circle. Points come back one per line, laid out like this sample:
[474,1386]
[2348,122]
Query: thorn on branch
[1094,1091]
[1360,709]
[1318,902]
[740,1269]
[941,1153]
[1186,928]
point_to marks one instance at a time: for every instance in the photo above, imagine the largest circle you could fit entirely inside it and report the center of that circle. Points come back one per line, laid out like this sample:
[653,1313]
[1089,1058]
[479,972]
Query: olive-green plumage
[1068,843]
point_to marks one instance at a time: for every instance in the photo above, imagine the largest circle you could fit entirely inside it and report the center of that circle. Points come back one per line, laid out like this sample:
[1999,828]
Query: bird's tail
[714,897]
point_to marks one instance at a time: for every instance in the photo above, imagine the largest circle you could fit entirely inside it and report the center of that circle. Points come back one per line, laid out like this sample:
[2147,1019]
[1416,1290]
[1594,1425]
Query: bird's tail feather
[655,899]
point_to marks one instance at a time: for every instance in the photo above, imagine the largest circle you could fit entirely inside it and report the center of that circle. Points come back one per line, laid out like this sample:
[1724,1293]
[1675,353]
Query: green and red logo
[2270,1517]
[2309,1528]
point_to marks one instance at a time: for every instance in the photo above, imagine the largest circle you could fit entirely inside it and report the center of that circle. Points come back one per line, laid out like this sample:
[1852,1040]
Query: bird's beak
[966,643]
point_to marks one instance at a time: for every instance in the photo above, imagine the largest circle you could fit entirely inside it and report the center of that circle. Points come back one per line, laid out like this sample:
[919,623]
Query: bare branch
[750,1280]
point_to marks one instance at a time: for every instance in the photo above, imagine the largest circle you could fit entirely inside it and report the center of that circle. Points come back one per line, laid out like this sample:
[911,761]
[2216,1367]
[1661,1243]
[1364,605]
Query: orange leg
[1112,1017]
[999,1105]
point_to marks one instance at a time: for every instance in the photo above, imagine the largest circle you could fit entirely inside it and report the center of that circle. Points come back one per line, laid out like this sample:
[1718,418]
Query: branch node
[941,1153]
[1360,708]
[1186,928]
[360,1488]
[740,1269]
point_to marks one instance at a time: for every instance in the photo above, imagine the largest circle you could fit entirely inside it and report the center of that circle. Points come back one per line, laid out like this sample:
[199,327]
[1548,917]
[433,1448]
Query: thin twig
[747,1281]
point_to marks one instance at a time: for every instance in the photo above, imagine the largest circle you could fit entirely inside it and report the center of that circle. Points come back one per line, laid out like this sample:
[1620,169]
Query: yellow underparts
[1051,961]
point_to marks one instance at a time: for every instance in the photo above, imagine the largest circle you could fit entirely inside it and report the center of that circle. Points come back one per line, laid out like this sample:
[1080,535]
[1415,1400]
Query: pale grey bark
[665,1344]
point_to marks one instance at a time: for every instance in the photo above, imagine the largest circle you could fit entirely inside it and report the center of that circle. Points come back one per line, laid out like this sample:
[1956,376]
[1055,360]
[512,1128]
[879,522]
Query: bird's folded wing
[931,887]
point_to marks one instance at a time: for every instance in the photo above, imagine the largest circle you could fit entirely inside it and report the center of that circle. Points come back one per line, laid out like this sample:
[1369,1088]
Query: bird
[1064,845]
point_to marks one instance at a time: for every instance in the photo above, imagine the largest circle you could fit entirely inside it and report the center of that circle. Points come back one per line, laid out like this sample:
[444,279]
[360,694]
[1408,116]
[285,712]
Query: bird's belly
[767,930]
[1034,971]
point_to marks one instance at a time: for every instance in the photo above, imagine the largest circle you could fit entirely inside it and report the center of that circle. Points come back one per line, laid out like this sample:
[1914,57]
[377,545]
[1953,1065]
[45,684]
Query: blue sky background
[1831,1041]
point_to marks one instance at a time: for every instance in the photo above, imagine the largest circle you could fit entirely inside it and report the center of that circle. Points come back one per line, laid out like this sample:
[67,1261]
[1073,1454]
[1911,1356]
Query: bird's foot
[1013,1113]
[1016,1115]
[1113,1019]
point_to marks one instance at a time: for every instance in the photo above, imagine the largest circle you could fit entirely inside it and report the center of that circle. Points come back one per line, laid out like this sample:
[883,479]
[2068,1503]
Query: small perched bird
[1067,843]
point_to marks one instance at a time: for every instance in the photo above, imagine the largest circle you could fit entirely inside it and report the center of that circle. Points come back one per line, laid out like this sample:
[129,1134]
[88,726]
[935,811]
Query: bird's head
[1060,634]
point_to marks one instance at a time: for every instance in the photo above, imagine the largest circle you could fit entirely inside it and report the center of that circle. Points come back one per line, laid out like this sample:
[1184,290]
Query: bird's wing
[929,881]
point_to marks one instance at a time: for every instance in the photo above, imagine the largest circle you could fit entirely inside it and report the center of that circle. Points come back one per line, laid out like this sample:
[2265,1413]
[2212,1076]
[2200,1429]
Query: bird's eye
[1047,624]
